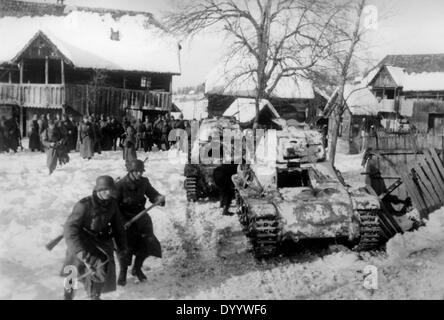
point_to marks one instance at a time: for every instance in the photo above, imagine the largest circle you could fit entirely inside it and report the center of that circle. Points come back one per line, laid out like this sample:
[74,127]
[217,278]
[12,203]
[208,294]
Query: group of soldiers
[155,131]
[112,219]
[59,135]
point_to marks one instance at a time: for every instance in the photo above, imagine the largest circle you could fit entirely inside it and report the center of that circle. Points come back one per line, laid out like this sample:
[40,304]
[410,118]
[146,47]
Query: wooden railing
[33,95]
[83,98]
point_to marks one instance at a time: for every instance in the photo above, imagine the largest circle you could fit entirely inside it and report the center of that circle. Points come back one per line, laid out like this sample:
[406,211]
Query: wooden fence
[415,158]
[424,181]
[410,141]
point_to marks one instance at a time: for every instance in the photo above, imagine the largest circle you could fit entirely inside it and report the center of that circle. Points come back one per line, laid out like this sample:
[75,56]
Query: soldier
[34,136]
[222,178]
[148,142]
[115,131]
[157,127]
[52,139]
[86,139]
[165,130]
[88,233]
[68,123]
[97,135]
[2,134]
[12,134]
[129,145]
[140,134]
[142,243]
[62,150]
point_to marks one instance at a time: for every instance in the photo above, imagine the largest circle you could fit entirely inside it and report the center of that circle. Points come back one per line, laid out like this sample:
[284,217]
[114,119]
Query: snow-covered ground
[205,254]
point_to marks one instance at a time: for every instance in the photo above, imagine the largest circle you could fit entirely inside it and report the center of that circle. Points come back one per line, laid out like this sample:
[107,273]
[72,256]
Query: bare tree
[272,40]
[349,33]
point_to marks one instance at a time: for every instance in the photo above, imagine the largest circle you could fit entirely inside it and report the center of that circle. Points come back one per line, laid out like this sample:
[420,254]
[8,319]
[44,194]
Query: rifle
[139,215]
[50,245]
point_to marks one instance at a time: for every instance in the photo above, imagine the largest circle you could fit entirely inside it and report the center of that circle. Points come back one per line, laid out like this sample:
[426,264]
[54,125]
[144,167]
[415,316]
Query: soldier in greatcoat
[89,232]
[53,141]
[132,191]
[86,138]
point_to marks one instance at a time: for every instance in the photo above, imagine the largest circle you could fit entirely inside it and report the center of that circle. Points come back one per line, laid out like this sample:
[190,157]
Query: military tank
[291,192]
[198,171]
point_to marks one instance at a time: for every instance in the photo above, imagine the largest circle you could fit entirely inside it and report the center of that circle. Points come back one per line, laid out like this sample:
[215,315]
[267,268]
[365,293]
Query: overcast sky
[405,27]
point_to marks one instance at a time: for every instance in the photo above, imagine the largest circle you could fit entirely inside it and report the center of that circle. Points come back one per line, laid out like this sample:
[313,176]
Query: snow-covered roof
[244,109]
[360,100]
[192,106]
[397,74]
[231,79]
[84,38]
[424,81]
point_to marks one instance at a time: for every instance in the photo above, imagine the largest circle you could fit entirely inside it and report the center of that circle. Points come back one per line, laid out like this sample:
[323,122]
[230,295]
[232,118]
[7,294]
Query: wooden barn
[412,86]
[91,61]
[293,97]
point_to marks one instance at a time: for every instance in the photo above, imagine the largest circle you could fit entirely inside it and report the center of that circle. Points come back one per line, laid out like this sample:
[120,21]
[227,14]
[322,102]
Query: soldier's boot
[68,294]
[95,292]
[137,269]
[95,296]
[122,276]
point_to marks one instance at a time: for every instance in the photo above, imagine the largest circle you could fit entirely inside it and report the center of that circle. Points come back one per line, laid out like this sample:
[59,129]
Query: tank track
[191,188]
[265,236]
[370,230]
[263,232]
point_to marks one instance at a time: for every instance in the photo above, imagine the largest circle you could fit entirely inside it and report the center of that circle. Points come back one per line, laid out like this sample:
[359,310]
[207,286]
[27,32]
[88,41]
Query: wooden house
[62,58]
[412,86]
[293,97]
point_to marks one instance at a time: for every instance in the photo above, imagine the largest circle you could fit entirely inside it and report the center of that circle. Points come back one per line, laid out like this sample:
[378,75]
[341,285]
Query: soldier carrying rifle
[89,233]
[132,191]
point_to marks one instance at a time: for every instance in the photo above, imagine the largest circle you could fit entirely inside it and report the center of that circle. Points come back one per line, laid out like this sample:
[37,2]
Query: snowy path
[206,255]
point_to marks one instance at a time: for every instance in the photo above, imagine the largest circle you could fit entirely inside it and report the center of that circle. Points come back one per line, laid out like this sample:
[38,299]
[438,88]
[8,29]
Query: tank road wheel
[191,188]
[370,230]
[264,236]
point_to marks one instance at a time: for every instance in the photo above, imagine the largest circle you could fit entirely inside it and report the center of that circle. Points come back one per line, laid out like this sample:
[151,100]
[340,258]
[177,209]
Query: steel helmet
[135,165]
[104,183]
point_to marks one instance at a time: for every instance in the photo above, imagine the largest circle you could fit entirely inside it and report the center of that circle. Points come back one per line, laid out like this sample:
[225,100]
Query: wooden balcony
[33,95]
[95,99]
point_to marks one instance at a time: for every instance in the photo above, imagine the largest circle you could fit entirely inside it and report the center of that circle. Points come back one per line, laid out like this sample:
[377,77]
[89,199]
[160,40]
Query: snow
[84,38]
[192,106]
[244,109]
[424,81]
[360,100]
[205,254]
[233,79]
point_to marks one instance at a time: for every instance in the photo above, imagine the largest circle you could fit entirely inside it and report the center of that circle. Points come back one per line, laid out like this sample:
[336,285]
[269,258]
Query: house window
[378,93]
[390,94]
[436,122]
[145,82]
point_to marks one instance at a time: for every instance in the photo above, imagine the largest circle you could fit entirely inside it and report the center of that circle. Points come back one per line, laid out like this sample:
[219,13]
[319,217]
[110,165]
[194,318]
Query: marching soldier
[53,140]
[132,191]
[88,233]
